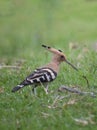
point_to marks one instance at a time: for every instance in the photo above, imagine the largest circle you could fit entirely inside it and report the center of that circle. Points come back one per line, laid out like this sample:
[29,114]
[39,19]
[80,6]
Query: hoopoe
[45,74]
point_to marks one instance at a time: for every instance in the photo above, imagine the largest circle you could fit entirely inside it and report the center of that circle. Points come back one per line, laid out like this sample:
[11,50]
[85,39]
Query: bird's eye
[62,56]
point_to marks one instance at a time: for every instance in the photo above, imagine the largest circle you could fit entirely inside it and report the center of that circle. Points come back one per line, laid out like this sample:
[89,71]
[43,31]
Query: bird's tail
[17,87]
[21,85]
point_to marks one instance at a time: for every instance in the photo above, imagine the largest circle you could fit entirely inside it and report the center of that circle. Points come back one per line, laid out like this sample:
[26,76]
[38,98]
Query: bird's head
[59,56]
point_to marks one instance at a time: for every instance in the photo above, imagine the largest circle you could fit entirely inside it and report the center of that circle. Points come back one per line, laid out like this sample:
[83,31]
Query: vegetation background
[69,25]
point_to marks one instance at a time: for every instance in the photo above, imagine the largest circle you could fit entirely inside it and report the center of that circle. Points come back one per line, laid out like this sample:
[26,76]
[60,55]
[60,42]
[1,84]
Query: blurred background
[26,24]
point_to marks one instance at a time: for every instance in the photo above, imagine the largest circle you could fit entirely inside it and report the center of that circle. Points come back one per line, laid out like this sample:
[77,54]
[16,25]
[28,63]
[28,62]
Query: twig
[9,66]
[86,80]
[73,90]
[55,101]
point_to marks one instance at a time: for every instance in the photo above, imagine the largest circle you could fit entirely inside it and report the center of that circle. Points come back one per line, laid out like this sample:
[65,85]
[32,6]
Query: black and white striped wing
[42,75]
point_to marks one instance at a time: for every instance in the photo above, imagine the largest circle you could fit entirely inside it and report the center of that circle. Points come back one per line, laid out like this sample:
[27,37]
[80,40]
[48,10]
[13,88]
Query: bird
[47,73]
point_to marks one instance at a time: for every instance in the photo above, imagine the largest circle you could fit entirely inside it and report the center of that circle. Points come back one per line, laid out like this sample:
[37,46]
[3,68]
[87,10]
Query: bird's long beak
[77,70]
[71,65]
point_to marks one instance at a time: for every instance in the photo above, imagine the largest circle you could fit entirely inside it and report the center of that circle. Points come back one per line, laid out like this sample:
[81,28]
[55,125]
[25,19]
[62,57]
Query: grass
[67,25]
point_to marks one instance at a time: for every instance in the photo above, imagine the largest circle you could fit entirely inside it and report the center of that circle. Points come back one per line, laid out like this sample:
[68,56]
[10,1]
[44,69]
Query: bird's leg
[34,89]
[46,88]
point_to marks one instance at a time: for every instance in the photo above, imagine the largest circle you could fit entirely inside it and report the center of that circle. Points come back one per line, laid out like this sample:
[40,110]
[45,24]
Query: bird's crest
[53,50]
